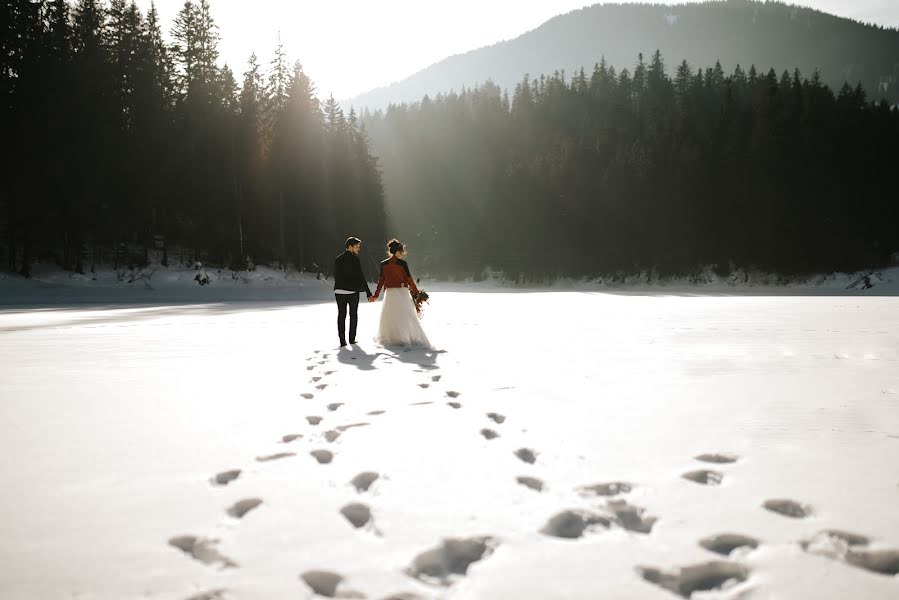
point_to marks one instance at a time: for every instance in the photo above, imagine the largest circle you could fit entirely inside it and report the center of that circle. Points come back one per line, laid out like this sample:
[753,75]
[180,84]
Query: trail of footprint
[436,378]
[242,507]
[363,480]
[424,386]
[450,560]
[225,477]
[321,386]
[334,406]
[788,508]
[277,456]
[202,549]
[496,418]
[314,420]
[726,543]
[332,435]
[489,434]
[456,405]
[703,577]
[307,396]
[453,394]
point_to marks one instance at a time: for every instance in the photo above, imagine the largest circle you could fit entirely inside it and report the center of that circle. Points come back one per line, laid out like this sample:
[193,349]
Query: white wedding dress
[400,325]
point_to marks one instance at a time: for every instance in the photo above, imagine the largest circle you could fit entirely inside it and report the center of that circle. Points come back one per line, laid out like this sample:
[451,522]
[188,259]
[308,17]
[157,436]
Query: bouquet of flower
[420,298]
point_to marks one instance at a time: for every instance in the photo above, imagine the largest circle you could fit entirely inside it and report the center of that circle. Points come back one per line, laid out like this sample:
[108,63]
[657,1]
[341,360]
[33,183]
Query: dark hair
[394,246]
[352,241]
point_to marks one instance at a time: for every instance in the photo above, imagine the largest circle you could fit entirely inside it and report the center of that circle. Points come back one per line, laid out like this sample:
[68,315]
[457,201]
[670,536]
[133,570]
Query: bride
[399,320]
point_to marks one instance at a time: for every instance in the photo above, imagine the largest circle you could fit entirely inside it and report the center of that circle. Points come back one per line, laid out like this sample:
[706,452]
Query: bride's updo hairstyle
[394,246]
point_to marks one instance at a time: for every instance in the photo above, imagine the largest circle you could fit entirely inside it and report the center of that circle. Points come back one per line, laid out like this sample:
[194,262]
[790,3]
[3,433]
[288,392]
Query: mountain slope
[768,35]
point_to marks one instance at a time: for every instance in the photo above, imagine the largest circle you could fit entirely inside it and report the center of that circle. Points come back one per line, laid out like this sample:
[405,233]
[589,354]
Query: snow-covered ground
[561,444]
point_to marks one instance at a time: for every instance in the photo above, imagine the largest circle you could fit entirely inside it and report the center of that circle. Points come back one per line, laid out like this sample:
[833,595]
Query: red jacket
[394,274]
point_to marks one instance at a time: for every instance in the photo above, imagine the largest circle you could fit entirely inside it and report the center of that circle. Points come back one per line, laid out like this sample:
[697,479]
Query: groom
[349,280]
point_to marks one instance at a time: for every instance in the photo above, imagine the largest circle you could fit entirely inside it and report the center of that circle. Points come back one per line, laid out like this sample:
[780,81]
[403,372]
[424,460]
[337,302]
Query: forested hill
[770,34]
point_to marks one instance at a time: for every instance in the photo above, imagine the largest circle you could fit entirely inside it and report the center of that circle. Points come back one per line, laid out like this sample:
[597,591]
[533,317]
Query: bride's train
[400,325]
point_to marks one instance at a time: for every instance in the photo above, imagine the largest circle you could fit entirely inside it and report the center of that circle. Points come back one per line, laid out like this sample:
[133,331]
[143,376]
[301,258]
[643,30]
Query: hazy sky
[350,46]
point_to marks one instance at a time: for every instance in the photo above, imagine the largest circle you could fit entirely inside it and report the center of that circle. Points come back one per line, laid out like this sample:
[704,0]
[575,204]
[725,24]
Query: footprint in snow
[218,594]
[225,477]
[489,434]
[291,438]
[352,426]
[314,420]
[572,524]
[496,418]
[605,489]
[242,507]
[527,455]
[726,543]
[363,480]
[452,394]
[334,406]
[718,458]
[322,583]
[704,477]
[455,405]
[704,577]
[278,456]
[358,514]
[322,456]
[630,517]
[450,560]
[202,549]
[530,482]
[321,386]
[788,508]
[307,396]
[332,435]
[852,548]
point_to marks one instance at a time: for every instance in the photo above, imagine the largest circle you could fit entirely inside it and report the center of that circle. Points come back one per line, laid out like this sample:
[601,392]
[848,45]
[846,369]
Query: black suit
[348,276]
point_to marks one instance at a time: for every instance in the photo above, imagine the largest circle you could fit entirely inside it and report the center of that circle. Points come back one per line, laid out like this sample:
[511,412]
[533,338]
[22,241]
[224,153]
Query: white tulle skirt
[400,325]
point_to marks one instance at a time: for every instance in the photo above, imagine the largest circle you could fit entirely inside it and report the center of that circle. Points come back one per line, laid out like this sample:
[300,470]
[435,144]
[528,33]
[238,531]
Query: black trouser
[343,301]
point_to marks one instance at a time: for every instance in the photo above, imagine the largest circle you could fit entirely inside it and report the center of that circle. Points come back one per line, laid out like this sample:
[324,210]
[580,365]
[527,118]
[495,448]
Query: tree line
[116,142]
[621,172]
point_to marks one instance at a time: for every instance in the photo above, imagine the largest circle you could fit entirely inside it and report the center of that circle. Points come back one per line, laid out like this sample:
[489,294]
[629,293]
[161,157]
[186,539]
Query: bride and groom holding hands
[399,325]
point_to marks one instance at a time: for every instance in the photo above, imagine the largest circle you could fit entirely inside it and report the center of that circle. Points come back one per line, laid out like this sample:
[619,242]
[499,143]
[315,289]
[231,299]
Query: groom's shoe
[353,343]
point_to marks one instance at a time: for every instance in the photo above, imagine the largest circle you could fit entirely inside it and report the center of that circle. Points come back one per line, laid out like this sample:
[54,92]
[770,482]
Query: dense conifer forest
[609,172]
[116,142]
